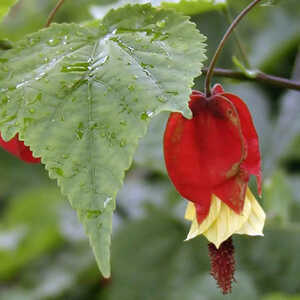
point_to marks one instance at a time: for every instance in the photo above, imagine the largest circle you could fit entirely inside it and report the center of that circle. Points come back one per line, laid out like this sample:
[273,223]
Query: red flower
[209,159]
[213,153]
[18,149]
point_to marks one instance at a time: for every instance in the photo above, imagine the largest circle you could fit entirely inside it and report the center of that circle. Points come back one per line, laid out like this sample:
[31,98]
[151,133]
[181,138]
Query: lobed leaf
[81,97]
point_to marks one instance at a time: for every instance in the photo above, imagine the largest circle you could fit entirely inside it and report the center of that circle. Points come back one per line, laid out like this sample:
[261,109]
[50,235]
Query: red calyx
[222,264]
[215,152]
[18,149]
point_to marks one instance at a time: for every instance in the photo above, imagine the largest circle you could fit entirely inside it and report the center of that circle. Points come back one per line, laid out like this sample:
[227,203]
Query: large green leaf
[187,7]
[81,97]
[5,6]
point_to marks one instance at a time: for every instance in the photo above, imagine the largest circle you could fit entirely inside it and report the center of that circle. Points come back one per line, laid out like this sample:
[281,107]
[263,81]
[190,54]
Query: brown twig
[53,12]
[258,76]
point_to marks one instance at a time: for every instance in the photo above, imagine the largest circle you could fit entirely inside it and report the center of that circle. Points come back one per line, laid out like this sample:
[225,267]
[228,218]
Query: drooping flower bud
[209,159]
[18,149]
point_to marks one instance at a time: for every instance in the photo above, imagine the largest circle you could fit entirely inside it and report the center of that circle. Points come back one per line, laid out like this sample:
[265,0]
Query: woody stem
[222,43]
[53,12]
[258,76]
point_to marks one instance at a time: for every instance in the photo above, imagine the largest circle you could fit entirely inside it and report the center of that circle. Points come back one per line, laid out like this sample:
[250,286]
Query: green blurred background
[44,253]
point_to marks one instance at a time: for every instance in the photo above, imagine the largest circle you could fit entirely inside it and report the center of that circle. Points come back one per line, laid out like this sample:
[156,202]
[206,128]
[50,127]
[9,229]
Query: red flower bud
[18,149]
[215,152]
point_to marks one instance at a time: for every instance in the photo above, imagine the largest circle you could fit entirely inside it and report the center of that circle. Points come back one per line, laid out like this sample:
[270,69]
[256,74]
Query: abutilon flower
[209,159]
[18,149]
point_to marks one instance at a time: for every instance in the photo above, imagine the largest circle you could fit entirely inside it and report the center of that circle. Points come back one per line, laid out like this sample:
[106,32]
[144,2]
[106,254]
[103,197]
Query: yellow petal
[190,214]
[227,223]
[256,220]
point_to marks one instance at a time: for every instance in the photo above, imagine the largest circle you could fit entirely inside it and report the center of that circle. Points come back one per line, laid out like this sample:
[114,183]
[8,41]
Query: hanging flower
[18,149]
[209,159]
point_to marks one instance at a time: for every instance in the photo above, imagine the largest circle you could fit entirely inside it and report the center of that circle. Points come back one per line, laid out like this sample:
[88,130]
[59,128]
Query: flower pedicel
[209,159]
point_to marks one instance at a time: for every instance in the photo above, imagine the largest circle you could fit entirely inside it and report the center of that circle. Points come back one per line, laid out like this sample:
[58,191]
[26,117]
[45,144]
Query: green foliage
[187,7]
[52,259]
[5,6]
[168,268]
[81,97]
[28,229]
[279,296]
[192,7]
[277,198]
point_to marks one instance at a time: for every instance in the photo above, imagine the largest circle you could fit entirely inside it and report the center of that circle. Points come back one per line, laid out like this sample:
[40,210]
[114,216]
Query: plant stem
[222,43]
[53,12]
[237,38]
[259,77]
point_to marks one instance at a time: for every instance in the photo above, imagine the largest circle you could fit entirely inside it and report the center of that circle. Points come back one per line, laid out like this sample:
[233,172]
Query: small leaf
[81,97]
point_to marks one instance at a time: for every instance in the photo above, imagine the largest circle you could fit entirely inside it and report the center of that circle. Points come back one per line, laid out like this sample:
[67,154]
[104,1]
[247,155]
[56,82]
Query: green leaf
[277,198]
[187,7]
[192,7]
[81,97]
[99,227]
[5,5]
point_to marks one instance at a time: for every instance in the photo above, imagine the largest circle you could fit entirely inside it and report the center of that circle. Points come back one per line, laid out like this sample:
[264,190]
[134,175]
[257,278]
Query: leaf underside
[81,97]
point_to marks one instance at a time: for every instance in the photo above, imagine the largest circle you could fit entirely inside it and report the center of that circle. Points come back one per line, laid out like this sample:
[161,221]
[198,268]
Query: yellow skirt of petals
[222,221]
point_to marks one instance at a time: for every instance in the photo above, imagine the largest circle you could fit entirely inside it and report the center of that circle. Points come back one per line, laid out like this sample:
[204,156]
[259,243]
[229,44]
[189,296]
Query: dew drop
[131,87]
[91,214]
[161,24]
[175,93]
[161,99]
[123,143]
[79,131]
[146,115]
[53,42]
[107,201]
[32,110]
[58,171]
